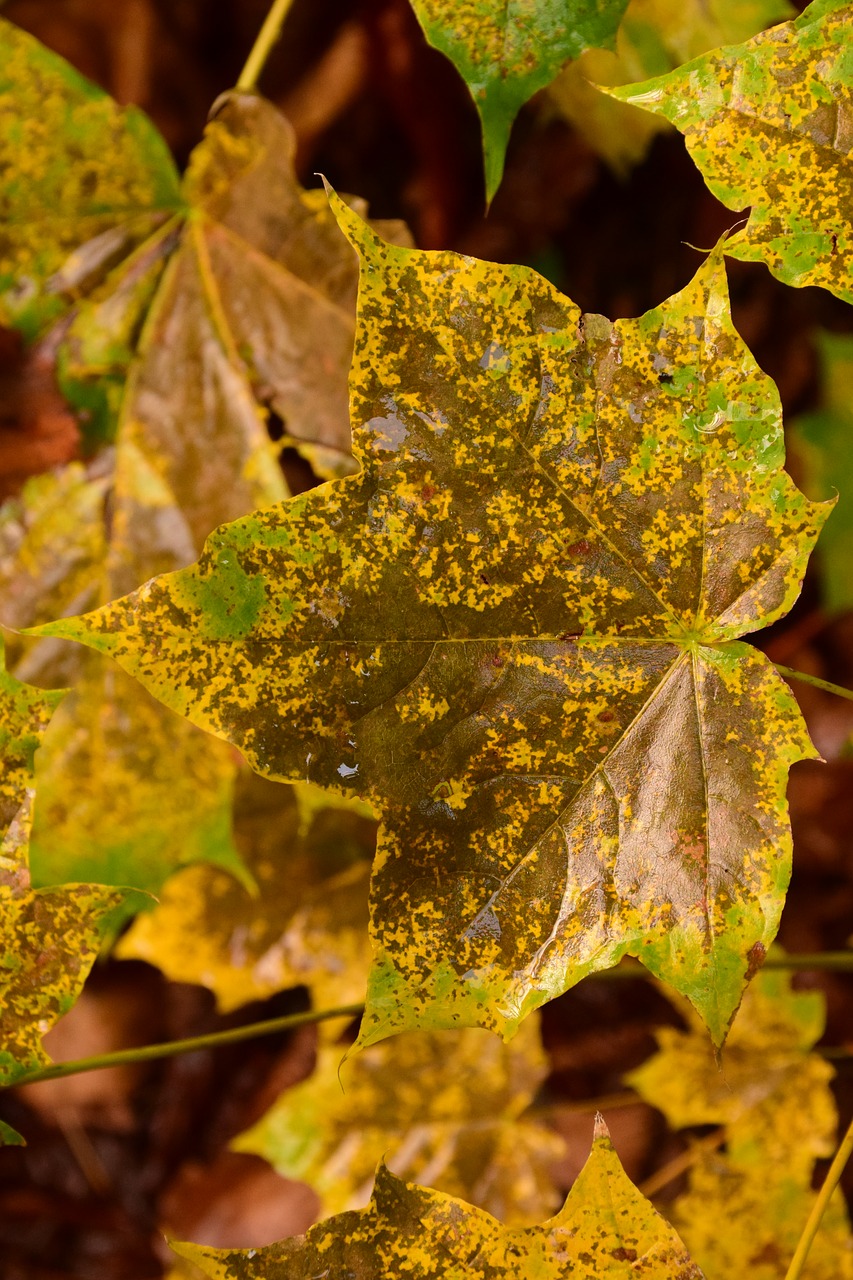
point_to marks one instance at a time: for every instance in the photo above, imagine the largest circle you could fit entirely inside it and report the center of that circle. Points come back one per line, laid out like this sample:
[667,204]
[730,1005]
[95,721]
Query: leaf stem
[149,1053]
[810,1230]
[837,961]
[804,678]
[267,36]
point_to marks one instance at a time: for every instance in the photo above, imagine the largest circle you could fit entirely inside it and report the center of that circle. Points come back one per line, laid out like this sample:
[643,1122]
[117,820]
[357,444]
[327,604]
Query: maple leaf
[654,37]
[768,1070]
[231,291]
[443,1107]
[48,940]
[126,789]
[308,854]
[769,124]
[514,632]
[506,51]
[822,443]
[761,1184]
[606,1231]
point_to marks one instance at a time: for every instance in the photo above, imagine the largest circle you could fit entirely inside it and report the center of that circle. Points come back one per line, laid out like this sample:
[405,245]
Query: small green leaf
[768,123]
[507,49]
[515,633]
[606,1231]
[10,1137]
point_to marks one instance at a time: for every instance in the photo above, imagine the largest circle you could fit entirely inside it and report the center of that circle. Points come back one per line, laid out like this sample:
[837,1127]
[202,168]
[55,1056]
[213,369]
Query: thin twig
[151,1052]
[804,678]
[810,1230]
[837,961]
[267,36]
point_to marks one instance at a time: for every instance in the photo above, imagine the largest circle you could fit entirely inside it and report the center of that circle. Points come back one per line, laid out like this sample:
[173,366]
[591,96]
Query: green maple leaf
[515,633]
[506,51]
[48,940]
[770,125]
[444,1106]
[822,442]
[606,1231]
[308,854]
[229,291]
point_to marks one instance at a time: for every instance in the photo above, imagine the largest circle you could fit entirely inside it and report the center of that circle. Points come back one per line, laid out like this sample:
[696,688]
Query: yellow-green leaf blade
[73,162]
[654,37]
[308,854]
[448,1106]
[606,1231]
[770,125]
[506,51]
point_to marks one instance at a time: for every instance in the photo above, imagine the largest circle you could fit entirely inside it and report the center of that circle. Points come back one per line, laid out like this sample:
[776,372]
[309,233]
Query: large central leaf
[514,631]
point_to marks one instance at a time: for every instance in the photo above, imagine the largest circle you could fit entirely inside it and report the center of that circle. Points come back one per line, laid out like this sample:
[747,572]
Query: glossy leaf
[48,941]
[770,125]
[309,856]
[606,1231]
[823,440]
[514,632]
[654,37]
[444,1107]
[772,1094]
[506,51]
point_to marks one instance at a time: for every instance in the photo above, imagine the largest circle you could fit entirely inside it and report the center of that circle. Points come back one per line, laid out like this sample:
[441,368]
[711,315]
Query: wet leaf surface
[505,52]
[770,125]
[606,1229]
[514,632]
[445,1108]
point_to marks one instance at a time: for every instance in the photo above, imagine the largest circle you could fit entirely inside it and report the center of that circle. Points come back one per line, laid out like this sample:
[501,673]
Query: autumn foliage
[479,711]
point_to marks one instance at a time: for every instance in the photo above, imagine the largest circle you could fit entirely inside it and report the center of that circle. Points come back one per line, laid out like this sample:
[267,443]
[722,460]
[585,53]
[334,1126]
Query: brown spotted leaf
[48,940]
[606,1231]
[514,632]
[770,125]
[230,292]
[306,921]
[447,1107]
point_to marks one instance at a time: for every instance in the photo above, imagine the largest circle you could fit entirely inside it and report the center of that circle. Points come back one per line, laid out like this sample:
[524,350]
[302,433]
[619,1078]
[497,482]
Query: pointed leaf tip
[356,230]
[600,1130]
